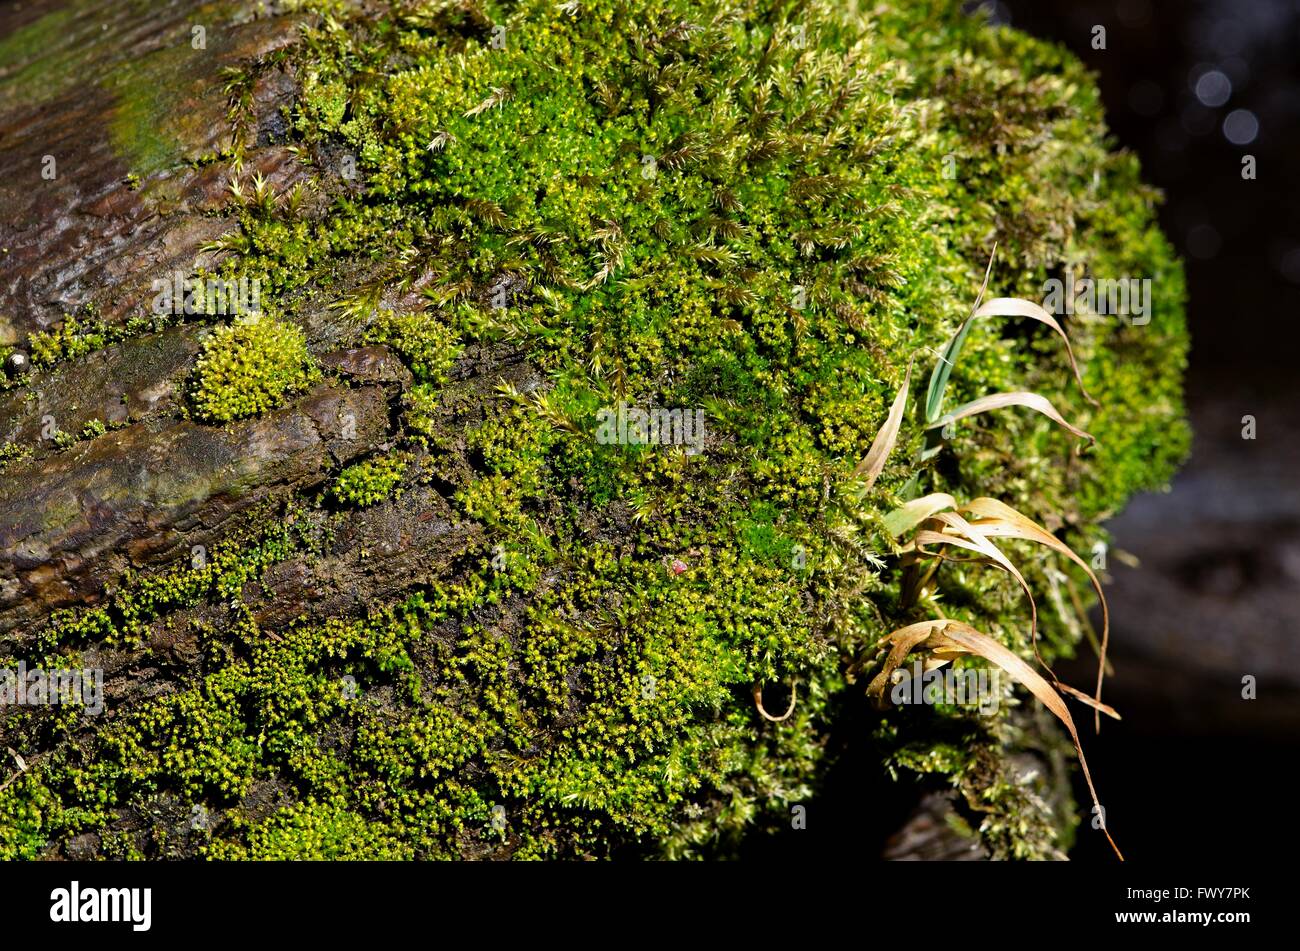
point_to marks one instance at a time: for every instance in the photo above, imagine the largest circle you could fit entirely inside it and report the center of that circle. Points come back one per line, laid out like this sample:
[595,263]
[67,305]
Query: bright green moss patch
[249,367]
[427,345]
[73,338]
[315,831]
[370,481]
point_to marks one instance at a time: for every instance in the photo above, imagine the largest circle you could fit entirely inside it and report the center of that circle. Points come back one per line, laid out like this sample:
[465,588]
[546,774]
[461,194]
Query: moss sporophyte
[591,243]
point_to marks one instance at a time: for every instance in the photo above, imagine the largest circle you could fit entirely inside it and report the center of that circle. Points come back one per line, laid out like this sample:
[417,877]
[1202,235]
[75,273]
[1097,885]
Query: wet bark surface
[112,120]
[70,524]
[107,117]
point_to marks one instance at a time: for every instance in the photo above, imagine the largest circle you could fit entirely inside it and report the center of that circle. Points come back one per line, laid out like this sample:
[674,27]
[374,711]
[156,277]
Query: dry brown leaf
[1089,701]
[869,468]
[970,538]
[995,519]
[1019,307]
[904,640]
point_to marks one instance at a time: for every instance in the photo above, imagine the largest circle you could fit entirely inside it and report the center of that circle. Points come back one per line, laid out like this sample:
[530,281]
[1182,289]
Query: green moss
[249,367]
[370,481]
[11,452]
[315,831]
[85,333]
[427,345]
[69,340]
[421,412]
[737,208]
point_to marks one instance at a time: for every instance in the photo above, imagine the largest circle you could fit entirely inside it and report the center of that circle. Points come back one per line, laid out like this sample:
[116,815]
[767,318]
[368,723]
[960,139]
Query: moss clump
[70,340]
[11,453]
[370,481]
[315,831]
[428,346]
[249,367]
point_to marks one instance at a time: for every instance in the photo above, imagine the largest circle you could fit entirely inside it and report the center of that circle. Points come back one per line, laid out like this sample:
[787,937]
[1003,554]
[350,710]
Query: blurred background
[1193,87]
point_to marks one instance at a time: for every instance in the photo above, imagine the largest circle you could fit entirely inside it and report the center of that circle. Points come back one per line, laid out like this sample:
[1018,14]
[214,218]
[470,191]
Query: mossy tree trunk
[327,623]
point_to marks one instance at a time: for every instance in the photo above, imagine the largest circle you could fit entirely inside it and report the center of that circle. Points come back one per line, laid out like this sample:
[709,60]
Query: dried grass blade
[1019,307]
[958,635]
[905,640]
[758,702]
[970,538]
[1002,400]
[869,468]
[995,518]
[1089,701]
